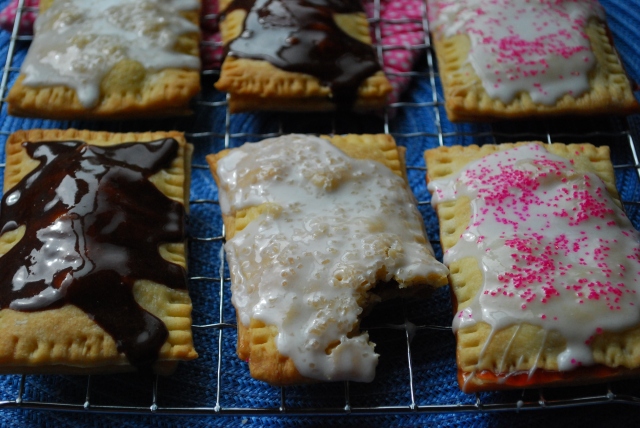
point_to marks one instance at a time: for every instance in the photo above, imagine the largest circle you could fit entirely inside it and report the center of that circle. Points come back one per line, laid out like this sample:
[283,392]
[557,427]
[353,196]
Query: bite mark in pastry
[298,54]
[116,59]
[504,59]
[92,252]
[316,233]
[545,266]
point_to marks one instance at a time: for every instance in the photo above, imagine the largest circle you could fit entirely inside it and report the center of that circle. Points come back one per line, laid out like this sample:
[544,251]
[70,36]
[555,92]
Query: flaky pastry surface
[66,340]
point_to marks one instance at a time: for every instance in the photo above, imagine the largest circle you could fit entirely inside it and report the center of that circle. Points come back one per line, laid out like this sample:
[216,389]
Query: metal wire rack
[425,361]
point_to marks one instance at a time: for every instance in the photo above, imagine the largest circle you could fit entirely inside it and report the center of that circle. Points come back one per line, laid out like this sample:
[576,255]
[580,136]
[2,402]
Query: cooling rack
[417,373]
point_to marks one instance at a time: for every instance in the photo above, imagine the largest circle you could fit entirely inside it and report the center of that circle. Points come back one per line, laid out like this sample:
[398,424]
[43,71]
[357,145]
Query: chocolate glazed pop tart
[317,231]
[92,253]
[521,58]
[299,55]
[545,265]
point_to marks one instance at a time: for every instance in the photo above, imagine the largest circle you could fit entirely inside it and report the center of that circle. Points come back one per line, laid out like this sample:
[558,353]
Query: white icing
[554,249]
[340,225]
[77,42]
[534,46]
[43,299]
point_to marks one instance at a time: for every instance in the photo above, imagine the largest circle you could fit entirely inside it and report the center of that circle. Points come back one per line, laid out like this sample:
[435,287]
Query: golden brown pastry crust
[128,91]
[467,100]
[258,85]
[503,359]
[66,340]
[256,342]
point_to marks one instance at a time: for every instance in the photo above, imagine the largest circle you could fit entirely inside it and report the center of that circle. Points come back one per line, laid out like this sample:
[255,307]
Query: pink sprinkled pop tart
[523,58]
[545,265]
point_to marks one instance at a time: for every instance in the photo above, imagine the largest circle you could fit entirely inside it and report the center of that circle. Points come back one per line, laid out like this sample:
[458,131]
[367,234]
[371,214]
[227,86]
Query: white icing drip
[77,42]
[502,365]
[339,225]
[554,249]
[534,366]
[534,46]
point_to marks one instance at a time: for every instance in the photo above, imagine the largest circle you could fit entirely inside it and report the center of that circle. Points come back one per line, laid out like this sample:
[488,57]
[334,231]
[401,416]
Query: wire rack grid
[417,371]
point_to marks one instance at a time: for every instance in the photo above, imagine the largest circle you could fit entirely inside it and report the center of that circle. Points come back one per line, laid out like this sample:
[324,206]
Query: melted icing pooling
[79,41]
[534,46]
[94,223]
[554,249]
[302,36]
[332,229]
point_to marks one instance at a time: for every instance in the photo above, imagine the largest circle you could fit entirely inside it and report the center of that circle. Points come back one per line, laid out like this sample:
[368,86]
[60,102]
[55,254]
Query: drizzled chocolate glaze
[94,223]
[302,36]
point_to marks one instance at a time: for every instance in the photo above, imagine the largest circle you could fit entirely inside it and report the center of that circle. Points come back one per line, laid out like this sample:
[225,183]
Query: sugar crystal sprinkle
[340,226]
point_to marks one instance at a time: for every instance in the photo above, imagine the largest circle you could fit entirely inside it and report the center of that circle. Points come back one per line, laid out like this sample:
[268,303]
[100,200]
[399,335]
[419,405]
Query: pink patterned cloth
[29,13]
[400,30]
[211,50]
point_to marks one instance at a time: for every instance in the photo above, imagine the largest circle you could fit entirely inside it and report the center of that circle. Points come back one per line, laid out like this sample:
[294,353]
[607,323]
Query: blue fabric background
[195,383]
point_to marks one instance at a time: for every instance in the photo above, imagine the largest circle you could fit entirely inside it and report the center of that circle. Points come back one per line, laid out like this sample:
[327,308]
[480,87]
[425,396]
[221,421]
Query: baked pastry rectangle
[110,60]
[517,59]
[317,230]
[92,252]
[289,55]
[544,264]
